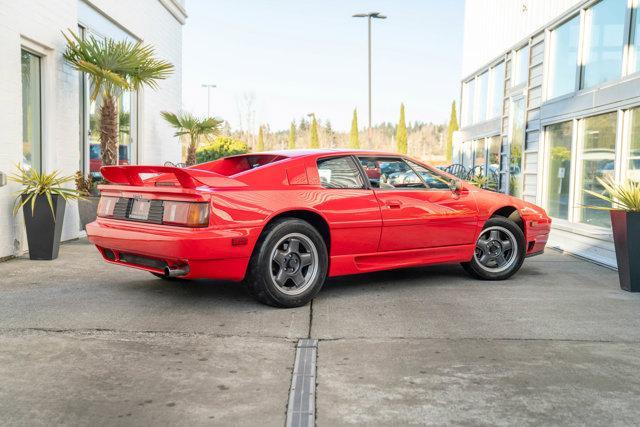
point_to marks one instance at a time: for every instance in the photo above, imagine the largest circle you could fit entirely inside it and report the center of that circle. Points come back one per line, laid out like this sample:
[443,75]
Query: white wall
[37,24]
[493,26]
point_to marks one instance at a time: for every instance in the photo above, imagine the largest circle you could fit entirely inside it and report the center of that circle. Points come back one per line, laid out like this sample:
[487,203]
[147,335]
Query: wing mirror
[455,185]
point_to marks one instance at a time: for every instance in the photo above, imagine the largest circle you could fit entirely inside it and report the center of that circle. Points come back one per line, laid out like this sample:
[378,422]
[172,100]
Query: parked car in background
[95,158]
[284,221]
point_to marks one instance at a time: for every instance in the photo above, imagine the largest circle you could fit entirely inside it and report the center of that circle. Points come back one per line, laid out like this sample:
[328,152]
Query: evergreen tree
[315,141]
[453,126]
[401,133]
[292,136]
[354,141]
[260,144]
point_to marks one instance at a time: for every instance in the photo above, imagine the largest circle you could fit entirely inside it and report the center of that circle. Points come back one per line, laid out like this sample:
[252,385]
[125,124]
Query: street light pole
[369,16]
[209,87]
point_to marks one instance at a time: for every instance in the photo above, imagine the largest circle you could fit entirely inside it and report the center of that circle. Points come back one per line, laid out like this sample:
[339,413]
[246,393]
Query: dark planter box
[626,237]
[88,209]
[43,233]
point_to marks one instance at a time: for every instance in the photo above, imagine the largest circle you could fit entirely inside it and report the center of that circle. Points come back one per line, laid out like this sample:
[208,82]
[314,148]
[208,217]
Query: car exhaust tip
[177,271]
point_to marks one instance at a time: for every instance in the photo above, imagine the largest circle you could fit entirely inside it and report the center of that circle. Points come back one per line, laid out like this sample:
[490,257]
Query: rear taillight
[106,206]
[185,214]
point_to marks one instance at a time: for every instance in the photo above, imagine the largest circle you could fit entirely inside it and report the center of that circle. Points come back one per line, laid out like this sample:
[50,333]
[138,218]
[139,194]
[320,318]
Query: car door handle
[394,204]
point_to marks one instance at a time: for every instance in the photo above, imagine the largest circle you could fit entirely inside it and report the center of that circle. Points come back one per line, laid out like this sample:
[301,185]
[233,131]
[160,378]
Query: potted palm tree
[188,124]
[42,199]
[625,222]
[113,67]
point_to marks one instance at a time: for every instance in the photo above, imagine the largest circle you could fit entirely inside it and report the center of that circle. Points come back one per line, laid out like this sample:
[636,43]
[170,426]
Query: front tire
[289,265]
[499,252]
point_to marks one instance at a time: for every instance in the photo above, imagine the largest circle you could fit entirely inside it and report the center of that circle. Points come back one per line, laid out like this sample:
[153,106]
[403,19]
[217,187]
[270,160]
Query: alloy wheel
[294,263]
[496,249]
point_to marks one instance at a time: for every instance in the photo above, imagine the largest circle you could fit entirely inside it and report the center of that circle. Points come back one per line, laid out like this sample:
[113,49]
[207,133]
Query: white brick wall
[37,24]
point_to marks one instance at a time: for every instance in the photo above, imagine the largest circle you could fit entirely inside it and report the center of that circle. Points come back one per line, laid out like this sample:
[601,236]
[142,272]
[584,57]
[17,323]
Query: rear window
[237,164]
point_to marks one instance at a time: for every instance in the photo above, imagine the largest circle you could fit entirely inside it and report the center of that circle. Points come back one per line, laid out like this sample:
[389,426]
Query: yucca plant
[187,124]
[624,200]
[113,67]
[623,196]
[480,181]
[36,184]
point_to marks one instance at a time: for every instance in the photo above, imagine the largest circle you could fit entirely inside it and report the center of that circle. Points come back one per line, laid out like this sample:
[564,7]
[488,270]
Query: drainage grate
[302,396]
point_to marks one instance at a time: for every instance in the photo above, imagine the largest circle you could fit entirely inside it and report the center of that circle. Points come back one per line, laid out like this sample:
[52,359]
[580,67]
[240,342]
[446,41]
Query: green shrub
[221,146]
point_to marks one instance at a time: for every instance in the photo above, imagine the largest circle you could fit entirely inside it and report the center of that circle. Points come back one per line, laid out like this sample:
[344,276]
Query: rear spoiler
[188,178]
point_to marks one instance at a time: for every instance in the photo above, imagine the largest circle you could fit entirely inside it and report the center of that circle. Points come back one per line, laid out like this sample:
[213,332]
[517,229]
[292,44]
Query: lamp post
[369,16]
[209,87]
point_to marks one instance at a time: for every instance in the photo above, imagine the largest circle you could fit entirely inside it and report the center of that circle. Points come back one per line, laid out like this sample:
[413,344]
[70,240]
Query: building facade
[550,102]
[48,121]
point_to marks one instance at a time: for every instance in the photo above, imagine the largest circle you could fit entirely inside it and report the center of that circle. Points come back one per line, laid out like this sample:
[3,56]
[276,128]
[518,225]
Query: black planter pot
[626,237]
[43,232]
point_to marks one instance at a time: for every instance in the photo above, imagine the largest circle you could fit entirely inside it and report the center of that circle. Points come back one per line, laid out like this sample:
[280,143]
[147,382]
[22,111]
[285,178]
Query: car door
[419,211]
[453,215]
[350,207]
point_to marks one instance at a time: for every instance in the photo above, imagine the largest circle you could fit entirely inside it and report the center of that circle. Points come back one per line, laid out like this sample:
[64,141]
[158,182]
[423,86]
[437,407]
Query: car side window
[339,172]
[390,173]
[433,180]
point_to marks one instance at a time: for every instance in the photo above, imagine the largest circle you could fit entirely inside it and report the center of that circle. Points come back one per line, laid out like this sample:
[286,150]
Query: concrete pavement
[85,342]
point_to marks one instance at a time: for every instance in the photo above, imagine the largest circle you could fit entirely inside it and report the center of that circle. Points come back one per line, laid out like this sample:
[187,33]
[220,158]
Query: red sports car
[283,221]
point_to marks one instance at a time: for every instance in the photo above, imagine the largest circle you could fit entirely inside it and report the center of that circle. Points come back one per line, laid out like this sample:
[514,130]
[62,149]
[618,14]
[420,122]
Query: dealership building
[48,121]
[550,101]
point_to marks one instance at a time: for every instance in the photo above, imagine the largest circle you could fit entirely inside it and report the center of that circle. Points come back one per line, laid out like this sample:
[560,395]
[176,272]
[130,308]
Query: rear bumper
[207,253]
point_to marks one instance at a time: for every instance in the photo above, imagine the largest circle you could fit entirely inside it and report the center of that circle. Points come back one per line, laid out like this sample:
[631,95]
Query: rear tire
[289,264]
[499,252]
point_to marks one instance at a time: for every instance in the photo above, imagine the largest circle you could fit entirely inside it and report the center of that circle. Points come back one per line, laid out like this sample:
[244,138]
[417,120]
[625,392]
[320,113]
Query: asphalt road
[84,342]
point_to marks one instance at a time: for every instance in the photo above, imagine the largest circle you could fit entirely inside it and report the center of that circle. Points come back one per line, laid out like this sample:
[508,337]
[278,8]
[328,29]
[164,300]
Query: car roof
[321,152]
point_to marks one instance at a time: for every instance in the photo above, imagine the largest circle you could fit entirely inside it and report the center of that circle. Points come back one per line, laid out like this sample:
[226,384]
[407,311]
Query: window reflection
[633,171]
[31,110]
[497,90]
[521,66]
[604,40]
[516,147]
[564,58]
[598,161]
[480,114]
[559,170]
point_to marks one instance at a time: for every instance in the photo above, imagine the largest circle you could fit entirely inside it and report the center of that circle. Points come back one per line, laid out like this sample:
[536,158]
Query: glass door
[516,145]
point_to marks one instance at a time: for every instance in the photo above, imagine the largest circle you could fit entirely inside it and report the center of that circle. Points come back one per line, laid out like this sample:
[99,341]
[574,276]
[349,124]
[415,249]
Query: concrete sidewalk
[84,342]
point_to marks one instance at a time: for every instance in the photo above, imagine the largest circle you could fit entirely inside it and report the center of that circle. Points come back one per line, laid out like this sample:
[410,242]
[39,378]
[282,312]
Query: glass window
[598,161]
[634,51]
[466,153]
[494,152]
[468,92]
[340,172]
[479,153]
[564,58]
[433,180]
[559,170]
[390,173]
[481,99]
[521,66]
[516,147]
[493,163]
[497,90]
[31,111]
[633,156]
[604,40]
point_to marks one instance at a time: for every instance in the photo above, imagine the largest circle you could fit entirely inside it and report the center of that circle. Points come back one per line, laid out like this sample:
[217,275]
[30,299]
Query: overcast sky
[302,56]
